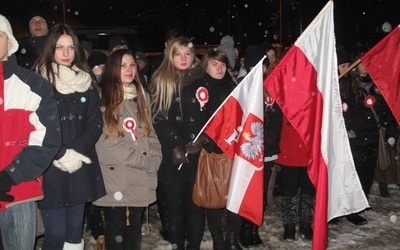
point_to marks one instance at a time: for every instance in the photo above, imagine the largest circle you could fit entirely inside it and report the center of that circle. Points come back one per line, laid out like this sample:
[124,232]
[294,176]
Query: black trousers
[293,178]
[94,220]
[119,235]
[365,168]
[214,220]
[184,217]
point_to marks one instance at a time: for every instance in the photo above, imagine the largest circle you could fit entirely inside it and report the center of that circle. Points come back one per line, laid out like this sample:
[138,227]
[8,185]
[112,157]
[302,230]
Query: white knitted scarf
[69,79]
[130,91]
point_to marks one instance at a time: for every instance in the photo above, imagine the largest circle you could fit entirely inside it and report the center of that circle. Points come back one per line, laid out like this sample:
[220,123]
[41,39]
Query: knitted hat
[6,28]
[87,46]
[252,55]
[42,15]
[97,58]
[342,56]
[139,55]
[116,40]
[226,46]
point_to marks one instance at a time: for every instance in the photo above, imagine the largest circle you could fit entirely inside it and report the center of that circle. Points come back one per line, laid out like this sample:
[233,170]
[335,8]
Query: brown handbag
[384,161]
[212,180]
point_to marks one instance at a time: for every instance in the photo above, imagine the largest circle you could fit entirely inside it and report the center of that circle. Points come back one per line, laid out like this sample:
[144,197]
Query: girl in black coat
[177,172]
[200,100]
[75,177]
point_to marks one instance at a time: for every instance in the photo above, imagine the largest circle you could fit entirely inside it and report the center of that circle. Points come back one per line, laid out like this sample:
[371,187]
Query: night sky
[206,21]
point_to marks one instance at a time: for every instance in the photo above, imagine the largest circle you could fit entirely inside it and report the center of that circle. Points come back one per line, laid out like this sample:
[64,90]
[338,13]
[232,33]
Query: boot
[218,241]
[74,246]
[383,190]
[356,219]
[306,230]
[232,241]
[249,235]
[257,242]
[306,207]
[289,216]
[245,233]
[289,232]
[163,213]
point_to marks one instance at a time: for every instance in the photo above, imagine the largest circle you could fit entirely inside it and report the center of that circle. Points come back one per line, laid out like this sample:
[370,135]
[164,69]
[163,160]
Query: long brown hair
[112,95]
[46,54]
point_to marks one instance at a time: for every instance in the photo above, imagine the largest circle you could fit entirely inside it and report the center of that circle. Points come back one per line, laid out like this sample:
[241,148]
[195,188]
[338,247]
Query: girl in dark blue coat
[75,177]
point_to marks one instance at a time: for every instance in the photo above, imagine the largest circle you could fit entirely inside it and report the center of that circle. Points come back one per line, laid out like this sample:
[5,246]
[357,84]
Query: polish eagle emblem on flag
[251,142]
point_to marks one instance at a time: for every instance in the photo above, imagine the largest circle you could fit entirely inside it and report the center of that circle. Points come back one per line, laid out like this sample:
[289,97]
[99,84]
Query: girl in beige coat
[129,152]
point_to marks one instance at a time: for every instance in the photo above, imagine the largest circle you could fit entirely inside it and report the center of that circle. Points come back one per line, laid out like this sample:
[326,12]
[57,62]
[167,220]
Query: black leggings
[184,217]
[119,235]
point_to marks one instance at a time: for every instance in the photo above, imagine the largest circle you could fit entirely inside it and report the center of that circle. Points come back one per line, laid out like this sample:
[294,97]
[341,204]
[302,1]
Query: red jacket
[30,133]
[293,150]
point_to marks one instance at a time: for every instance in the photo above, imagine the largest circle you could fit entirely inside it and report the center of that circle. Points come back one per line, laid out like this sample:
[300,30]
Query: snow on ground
[381,232]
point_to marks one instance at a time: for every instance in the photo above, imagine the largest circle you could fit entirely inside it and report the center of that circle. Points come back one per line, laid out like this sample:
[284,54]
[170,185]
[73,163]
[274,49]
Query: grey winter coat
[129,166]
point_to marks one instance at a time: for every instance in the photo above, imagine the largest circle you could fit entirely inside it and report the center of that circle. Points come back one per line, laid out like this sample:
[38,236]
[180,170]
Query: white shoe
[74,246]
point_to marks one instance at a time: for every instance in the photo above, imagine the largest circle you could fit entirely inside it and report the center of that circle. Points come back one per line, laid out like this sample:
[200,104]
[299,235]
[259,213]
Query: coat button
[144,153]
[111,168]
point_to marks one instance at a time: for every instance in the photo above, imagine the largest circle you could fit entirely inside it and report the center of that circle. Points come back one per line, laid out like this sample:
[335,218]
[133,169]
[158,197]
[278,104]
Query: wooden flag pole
[350,68]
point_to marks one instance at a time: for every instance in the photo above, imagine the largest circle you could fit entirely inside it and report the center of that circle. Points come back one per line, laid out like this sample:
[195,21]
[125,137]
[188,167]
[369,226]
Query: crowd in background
[114,132]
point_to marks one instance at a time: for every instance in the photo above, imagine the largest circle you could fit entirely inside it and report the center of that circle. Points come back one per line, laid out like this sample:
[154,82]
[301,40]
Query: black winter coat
[272,129]
[218,91]
[29,49]
[81,126]
[175,131]
[361,120]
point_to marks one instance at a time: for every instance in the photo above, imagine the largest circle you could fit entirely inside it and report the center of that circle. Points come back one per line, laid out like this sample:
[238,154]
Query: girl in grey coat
[129,152]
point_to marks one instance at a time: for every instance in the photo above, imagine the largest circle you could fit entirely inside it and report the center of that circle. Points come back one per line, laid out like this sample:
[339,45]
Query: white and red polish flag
[305,85]
[383,65]
[237,127]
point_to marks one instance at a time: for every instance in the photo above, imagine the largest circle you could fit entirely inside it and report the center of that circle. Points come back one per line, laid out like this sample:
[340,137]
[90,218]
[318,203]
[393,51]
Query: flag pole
[220,106]
[350,68]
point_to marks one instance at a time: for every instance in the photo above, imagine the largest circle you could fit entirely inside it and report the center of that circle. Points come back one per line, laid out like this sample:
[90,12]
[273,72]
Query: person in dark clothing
[365,126]
[297,191]
[217,82]
[153,65]
[75,176]
[155,62]
[39,25]
[177,173]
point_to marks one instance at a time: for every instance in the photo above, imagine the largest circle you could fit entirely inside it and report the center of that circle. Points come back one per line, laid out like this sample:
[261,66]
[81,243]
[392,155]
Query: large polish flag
[383,65]
[237,127]
[305,86]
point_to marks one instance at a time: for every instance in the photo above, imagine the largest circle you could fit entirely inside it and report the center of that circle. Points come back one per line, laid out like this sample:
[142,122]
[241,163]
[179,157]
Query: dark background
[207,21]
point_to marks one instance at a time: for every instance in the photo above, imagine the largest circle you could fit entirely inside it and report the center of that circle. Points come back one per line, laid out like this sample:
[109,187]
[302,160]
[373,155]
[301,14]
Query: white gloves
[71,161]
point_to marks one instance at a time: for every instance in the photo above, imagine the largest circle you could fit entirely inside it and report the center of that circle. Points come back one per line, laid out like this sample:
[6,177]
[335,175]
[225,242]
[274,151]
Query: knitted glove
[71,161]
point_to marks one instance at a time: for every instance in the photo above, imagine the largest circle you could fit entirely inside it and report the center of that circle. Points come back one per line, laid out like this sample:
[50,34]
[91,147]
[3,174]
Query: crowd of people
[98,136]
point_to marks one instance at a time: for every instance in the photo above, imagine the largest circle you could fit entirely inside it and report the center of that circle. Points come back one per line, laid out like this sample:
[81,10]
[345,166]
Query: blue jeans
[62,225]
[18,226]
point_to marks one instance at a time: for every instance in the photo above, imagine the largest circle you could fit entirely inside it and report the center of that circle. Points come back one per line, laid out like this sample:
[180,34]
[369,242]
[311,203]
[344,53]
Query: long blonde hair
[165,84]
